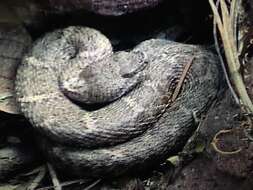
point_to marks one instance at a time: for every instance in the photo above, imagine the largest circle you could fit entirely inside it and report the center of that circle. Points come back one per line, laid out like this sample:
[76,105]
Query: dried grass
[225,19]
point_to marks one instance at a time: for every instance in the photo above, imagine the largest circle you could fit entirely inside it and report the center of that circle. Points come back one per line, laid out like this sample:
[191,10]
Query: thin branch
[93,185]
[35,183]
[64,184]
[216,140]
[181,80]
[57,185]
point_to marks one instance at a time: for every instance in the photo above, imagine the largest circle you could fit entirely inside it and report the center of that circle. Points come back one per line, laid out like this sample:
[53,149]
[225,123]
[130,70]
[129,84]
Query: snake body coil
[137,122]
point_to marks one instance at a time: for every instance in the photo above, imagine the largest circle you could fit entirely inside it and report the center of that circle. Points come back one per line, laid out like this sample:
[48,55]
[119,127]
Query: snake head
[105,80]
[74,88]
[131,63]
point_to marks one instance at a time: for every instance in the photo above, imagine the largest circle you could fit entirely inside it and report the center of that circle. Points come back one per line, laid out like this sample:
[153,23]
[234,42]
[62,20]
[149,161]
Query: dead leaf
[174,160]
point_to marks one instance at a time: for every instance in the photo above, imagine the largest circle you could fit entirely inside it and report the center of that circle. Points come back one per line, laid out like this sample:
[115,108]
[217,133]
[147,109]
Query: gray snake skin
[137,123]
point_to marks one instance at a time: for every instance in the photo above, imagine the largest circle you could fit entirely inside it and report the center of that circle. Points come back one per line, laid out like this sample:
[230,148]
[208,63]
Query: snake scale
[101,112]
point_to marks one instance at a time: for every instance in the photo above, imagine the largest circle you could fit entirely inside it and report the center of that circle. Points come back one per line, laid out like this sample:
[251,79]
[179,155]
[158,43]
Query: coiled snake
[126,119]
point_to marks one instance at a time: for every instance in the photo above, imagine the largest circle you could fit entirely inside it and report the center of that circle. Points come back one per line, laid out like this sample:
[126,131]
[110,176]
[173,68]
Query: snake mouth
[93,107]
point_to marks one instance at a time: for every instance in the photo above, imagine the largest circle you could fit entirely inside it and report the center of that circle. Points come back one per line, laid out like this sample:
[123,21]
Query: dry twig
[57,185]
[35,183]
[215,141]
[181,80]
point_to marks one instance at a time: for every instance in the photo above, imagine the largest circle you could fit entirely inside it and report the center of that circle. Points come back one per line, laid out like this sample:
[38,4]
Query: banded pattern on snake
[137,123]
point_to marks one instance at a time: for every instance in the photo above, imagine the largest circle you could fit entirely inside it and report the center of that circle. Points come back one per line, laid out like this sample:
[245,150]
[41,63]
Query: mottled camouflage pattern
[142,125]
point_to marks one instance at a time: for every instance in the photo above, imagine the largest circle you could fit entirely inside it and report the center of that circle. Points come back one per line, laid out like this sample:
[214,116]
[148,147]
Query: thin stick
[57,185]
[93,185]
[181,80]
[216,140]
[35,183]
[64,184]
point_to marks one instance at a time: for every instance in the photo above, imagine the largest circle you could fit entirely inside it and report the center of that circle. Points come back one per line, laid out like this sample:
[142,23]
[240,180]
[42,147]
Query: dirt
[228,167]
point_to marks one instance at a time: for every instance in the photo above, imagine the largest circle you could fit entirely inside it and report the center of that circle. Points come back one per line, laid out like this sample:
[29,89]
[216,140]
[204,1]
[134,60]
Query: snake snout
[132,63]
[75,89]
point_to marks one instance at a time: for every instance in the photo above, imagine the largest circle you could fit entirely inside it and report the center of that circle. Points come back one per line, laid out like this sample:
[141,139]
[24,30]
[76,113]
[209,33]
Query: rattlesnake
[137,120]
